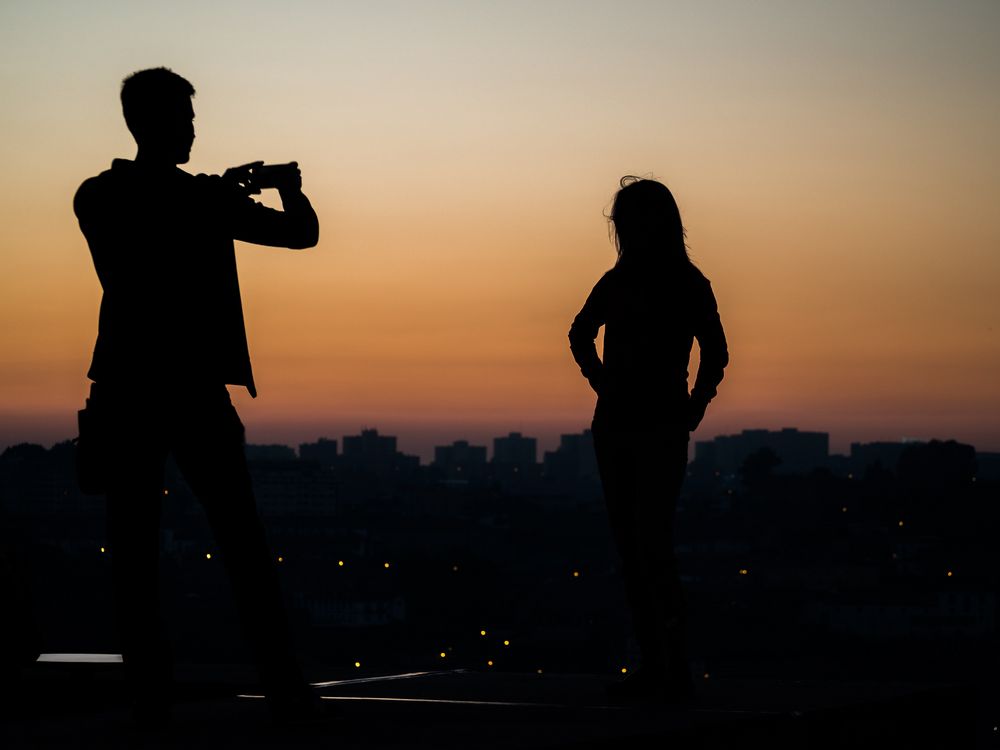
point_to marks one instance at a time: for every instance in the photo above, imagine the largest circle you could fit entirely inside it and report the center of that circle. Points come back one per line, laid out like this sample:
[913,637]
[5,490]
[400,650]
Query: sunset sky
[837,166]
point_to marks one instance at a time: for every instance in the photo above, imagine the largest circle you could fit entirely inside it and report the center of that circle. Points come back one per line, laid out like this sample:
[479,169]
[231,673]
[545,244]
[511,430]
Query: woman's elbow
[577,338]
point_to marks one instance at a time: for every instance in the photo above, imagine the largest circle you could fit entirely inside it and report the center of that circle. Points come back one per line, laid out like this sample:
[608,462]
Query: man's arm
[87,205]
[295,226]
[85,201]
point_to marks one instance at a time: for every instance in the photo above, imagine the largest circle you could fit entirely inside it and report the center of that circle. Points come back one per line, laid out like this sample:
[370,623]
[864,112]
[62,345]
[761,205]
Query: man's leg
[208,447]
[135,457]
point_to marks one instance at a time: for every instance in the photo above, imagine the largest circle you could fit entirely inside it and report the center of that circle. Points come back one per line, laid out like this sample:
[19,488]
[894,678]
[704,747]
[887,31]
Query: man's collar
[130,165]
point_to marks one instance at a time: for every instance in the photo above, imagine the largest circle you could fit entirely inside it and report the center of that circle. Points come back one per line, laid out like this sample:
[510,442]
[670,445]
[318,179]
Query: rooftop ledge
[451,709]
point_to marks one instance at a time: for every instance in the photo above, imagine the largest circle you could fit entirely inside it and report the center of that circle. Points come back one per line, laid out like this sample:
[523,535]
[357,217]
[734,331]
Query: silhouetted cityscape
[882,561]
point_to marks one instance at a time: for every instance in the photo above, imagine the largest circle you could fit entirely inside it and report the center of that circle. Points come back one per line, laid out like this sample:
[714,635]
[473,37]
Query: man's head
[157,106]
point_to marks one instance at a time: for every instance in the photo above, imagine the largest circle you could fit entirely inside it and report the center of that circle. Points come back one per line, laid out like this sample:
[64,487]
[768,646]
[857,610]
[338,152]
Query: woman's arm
[583,334]
[714,357]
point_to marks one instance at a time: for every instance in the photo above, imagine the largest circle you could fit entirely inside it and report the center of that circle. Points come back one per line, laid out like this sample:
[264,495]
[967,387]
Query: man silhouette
[170,338]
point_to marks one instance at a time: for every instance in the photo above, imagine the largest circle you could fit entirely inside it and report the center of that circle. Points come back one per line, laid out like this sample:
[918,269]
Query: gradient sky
[836,165]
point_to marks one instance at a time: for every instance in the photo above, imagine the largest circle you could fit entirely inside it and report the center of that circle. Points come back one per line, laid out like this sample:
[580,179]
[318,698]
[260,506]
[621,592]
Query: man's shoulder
[119,177]
[127,180]
[93,190]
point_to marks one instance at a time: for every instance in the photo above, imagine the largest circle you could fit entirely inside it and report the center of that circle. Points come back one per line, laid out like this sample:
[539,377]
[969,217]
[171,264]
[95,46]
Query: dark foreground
[82,706]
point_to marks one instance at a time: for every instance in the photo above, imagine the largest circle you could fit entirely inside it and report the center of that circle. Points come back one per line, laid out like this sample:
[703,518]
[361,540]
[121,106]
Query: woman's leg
[660,469]
[642,473]
[616,462]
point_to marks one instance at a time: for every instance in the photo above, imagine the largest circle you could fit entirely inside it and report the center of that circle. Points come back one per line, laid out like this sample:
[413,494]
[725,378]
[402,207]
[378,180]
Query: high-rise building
[369,447]
[988,466]
[515,450]
[867,456]
[515,460]
[574,460]
[272,452]
[373,452]
[461,460]
[323,452]
[798,451]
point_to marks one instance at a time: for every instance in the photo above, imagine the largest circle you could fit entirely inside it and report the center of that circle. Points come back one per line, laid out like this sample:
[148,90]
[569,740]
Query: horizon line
[339,440]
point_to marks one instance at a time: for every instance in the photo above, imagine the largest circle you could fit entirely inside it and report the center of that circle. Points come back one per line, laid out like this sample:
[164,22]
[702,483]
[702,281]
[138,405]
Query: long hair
[647,225]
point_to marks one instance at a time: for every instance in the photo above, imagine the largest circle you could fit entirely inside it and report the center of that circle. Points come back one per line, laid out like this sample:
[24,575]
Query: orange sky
[837,169]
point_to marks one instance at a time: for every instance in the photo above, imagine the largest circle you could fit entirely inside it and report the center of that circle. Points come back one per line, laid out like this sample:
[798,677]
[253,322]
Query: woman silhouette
[653,303]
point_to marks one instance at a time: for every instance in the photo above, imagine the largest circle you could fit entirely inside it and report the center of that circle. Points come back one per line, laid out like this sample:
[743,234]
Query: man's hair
[146,94]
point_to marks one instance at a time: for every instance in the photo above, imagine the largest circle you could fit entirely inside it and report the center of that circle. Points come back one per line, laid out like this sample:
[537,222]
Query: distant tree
[936,466]
[758,467]
[23,453]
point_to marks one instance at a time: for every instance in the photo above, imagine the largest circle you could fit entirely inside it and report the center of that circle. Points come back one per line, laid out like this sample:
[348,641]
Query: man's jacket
[162,244]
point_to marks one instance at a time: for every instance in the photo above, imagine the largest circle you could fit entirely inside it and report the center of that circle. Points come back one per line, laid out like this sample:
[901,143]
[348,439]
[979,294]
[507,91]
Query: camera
[273,175]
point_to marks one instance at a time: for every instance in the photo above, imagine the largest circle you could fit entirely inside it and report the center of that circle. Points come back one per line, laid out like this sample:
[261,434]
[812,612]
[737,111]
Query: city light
[385,565]
[442,654]
[538,671]
[340,563]
[280,559]
[705,675]
[949,574]
[624,670]
[357,664]
[489,663]
[454,568]
[744,571]
[102,550]
[844,509]
[900,523]
[166,492]
[576,573]
[208,555]
[482,633]
[506,643]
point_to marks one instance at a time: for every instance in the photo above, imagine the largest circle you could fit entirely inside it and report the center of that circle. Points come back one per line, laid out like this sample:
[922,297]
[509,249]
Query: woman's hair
[647,224]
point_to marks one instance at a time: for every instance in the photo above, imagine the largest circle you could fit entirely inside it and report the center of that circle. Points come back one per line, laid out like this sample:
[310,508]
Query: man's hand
[242,177]
[295,225]
[256,176]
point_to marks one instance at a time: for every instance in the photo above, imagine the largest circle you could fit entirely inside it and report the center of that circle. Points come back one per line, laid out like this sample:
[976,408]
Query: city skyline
[834,165]
[425,450]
